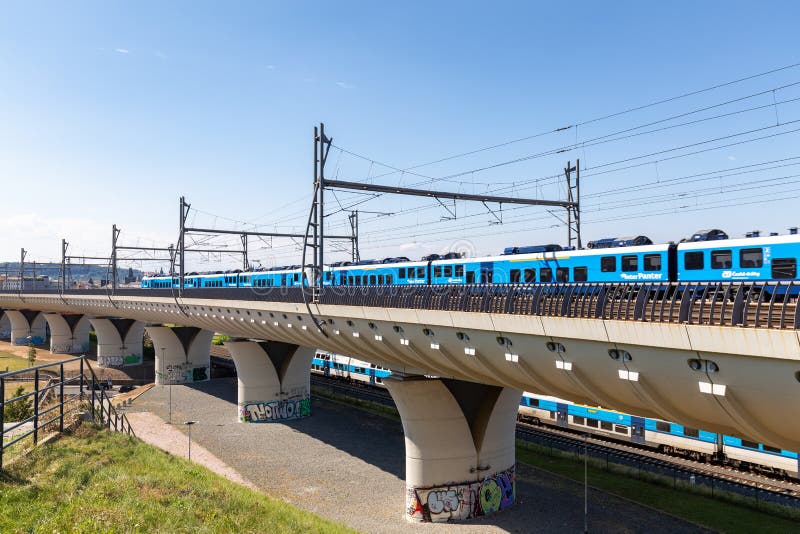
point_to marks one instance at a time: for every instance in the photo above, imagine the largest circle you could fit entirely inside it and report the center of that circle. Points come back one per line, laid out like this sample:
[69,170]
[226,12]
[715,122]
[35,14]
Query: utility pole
[573,207]
[245,260]
[64,246]
[355,255]
[184,213]
[22,254]
[114,235]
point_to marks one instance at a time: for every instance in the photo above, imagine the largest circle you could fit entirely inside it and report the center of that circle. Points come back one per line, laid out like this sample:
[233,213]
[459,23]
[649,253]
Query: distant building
[12,283]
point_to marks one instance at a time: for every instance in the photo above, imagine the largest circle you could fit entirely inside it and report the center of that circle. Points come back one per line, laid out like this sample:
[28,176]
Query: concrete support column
[183,354]
[119,341]
[27,326]
[5,325]
[274,380]
[69,333]
[460,456]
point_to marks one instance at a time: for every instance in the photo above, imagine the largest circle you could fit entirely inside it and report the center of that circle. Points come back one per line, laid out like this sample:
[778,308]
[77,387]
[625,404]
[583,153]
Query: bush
[219,339]
[18,410]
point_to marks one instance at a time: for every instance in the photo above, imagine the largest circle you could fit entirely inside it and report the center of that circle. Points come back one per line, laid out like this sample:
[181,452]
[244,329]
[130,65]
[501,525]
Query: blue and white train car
[772,258]
[347,368]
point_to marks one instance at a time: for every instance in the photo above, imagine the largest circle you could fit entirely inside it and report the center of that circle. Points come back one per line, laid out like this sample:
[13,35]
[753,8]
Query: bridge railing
[47,412]
[751,304]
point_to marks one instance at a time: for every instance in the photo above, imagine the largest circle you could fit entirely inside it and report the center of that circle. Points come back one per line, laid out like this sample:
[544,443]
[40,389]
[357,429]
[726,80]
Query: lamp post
[189,424]
[165,377]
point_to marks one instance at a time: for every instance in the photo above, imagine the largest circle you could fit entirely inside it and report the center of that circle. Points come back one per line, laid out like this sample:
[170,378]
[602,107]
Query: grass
[97,481]
[14,363]
[219,339]
[724,512]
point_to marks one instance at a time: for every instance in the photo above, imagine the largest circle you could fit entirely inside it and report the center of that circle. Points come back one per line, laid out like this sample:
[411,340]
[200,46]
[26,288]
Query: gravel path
[348,466]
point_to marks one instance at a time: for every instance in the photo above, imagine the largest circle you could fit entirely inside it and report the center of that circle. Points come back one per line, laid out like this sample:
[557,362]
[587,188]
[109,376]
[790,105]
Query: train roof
[740,242]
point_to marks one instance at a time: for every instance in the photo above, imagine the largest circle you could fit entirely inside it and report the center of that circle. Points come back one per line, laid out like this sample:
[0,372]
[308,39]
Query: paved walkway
[348,466]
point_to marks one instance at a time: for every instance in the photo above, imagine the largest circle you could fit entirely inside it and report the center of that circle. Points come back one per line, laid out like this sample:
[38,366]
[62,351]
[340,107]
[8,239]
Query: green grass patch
[97,481]
[219,339]
[724,512]
[14,363]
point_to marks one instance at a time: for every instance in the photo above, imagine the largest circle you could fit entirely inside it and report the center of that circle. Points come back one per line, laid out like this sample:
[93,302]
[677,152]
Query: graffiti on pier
[185,373]
[68,347]
[36,340]
[465,500]
[275,411]
[119,360]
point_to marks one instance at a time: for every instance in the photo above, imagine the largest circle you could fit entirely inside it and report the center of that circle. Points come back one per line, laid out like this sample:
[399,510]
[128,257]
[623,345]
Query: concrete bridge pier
[274,380]
[5,325]
[183,354]
[460,448]
[27,326]
[69,333]
[119,341]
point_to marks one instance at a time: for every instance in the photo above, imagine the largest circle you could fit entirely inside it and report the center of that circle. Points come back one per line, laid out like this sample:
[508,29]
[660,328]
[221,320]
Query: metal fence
[47,413]
[751,304]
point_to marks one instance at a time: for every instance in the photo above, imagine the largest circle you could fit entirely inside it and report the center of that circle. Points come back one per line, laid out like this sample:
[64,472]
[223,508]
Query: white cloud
[270,67]
[122,50]
[345,85]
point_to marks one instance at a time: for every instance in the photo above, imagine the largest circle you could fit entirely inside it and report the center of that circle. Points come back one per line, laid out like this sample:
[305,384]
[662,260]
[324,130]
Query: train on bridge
[708,256]
[647,432]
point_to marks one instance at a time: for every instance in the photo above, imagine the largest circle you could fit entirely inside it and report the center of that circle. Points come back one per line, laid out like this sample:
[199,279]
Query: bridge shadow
[376,440]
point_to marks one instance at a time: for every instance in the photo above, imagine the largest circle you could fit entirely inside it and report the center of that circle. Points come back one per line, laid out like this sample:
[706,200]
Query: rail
[89,388]
[743,304]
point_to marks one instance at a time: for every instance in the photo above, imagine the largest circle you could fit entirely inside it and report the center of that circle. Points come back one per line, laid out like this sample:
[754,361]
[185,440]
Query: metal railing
[90,388]
[744,304]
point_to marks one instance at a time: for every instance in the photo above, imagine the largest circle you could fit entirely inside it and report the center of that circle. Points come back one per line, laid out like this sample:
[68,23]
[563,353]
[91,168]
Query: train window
[605,425]
[459,270]
[630,263]
[562,274]
[784,268]
[373,279]
[381,280]
[662,426]
[749,444]
[437,271]
[389,279]
[402,272]
[578,420]
[552,414]
[530,276]
[533,402]
[652,262]
[545,274]
[608,264]
[691,432]
[350,281]
[470,277]
[751,257]
[620,429]
[721,259]
[448,270]
[580,274]
[420,272]
[693,261]
[514,276]
[767,448]
[592,423]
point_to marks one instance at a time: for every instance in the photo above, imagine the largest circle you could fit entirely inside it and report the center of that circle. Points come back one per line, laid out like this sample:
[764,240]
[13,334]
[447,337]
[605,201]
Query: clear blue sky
[109,111]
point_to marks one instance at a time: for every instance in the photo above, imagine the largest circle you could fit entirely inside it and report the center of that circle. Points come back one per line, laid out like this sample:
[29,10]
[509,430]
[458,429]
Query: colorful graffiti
[462,501]
[119,360]
[185,373]
[36,340]
[68,347]
[275,411]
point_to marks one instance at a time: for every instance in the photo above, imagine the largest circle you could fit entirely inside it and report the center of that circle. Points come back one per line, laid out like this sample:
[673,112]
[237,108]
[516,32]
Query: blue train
[708,256]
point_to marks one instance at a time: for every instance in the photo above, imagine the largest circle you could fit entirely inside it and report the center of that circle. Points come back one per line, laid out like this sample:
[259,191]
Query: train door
[487,272]
[372,374]
[561,415]
[326,366]
[637,429]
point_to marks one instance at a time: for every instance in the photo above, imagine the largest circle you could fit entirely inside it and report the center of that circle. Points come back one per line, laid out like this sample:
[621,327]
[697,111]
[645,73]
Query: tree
[31,353]
[19,410]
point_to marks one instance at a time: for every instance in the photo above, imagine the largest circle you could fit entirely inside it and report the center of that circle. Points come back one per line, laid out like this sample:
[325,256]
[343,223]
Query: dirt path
[153,430]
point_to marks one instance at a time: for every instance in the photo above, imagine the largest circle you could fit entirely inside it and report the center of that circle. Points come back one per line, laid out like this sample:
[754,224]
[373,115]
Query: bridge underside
[734,380]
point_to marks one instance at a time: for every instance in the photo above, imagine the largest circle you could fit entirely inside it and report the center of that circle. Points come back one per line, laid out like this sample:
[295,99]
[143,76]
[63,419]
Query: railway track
[715,478]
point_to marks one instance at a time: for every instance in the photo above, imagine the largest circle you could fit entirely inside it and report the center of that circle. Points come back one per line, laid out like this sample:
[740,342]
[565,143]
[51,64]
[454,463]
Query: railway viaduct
[719,357]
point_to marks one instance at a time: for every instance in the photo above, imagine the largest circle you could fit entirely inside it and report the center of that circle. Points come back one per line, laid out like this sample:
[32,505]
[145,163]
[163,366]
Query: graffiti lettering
[274,411]
[462,501]
[185,373]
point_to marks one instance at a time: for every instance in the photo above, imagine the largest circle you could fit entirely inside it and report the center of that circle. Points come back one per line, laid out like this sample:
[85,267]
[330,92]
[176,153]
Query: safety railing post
[36,407]
[2,416]
[94,416]
[80,397]
[61,401]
